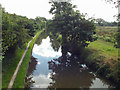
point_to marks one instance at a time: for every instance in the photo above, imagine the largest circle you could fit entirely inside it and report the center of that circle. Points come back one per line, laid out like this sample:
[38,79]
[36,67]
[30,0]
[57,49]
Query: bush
[115,72]
[108,39]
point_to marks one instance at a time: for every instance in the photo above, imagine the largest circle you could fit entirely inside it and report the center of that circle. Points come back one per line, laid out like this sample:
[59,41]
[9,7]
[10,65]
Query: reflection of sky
[45,49]
[41,75]
[43,53]
[41,68]
[98,83]
[41,81]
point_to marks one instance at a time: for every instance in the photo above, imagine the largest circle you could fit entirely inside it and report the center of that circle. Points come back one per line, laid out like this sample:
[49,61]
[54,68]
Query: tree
[16,31]
[72,25]
[31,27]
[101,22]
[41,22]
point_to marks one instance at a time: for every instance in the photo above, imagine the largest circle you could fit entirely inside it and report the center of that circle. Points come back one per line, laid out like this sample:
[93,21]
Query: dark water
[50,70]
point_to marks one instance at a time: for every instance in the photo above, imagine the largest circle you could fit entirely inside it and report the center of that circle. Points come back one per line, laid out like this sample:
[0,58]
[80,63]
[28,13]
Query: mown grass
[9,68]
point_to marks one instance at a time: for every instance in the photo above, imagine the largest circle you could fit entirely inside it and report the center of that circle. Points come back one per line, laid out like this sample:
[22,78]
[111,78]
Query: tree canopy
[75,29]
[17,30]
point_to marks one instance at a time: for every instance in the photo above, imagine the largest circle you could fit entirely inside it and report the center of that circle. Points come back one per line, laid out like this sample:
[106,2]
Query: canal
[48,69]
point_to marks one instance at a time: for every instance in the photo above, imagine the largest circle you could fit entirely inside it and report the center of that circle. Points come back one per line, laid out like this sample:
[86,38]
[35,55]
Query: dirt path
[18,66]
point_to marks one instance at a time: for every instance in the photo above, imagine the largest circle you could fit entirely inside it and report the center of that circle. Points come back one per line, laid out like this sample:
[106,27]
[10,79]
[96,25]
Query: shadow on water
[52,66]
[31,68]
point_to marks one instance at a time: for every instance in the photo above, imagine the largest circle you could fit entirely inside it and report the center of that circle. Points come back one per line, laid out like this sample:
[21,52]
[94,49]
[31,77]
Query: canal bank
[102,58]
[19,81]
[104,70]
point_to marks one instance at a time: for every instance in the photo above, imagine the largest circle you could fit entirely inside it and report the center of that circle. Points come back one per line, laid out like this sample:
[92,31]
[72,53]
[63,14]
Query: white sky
[33,8]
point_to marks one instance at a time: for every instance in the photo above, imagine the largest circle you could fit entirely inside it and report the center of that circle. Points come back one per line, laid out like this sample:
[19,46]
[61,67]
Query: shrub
[107,39]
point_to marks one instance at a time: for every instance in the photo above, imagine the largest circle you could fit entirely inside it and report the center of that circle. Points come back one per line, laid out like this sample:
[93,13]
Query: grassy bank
[19,81]
[8,69]
[105,49]
[9,65]
[102,58]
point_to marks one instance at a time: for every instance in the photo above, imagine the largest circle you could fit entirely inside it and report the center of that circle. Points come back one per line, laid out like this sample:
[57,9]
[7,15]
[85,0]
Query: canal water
[47,68]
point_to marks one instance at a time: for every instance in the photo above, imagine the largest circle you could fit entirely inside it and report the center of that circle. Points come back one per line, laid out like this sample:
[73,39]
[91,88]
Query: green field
[106,33]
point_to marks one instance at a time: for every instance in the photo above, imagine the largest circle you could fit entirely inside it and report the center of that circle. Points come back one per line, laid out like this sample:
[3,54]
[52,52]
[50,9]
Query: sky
[34,8]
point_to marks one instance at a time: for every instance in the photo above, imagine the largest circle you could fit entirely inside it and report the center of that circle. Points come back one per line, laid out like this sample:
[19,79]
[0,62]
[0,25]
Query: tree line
[102,22]
[17,30]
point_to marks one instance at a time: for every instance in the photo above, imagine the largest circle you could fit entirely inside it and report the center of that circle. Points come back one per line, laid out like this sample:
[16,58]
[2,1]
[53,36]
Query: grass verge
[9,68]
[102,58]
[19,81]
[105,49]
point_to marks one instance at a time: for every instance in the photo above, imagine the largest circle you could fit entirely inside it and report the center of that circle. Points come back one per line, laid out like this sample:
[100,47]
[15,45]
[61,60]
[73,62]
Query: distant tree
[41,22]
[102,22]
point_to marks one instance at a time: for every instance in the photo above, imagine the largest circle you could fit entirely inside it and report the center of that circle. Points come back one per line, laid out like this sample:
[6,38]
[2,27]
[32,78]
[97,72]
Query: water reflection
[55,67]
[72,73]
[32,67]
[45,49]
[40,76]
[41,81]
[69,74]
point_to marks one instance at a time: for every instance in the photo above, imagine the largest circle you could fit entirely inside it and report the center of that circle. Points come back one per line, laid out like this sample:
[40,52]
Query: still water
[48,70]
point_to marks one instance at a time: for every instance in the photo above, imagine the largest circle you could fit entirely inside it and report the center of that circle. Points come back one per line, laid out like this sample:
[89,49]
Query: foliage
[17,30]
[72,25]
[0,33]
[41,22]
[10,63]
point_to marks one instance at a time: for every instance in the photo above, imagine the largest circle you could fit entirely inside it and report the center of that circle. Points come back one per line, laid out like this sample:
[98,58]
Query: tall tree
[72,25]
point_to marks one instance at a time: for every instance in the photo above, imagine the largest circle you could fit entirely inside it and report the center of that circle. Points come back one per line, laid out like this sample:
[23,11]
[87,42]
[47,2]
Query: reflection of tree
[69,73]
[54,42]
[53,39]
[31,68]
[43,35]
